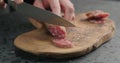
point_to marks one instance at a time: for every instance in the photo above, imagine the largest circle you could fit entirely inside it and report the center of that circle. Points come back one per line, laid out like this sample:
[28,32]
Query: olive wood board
[86,36]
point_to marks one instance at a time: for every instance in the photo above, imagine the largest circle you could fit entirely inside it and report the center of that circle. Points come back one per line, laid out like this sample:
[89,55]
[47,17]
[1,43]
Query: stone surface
[12,25]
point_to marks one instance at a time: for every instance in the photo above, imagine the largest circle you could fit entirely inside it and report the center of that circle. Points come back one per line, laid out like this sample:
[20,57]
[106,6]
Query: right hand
[57,7]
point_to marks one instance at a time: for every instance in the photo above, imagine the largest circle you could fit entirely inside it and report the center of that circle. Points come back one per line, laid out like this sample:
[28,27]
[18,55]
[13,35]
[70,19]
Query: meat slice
[63,43]
[59,33]
[97,16]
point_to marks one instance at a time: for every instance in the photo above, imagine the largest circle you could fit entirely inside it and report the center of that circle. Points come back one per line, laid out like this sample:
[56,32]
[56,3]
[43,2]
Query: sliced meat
[63,43]
[59,34]
[97,16]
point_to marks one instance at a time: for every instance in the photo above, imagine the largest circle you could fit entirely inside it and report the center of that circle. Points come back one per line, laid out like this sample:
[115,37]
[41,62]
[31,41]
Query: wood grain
[86,37]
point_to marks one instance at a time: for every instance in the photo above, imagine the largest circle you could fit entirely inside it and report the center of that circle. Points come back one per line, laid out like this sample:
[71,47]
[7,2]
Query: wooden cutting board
[86,37]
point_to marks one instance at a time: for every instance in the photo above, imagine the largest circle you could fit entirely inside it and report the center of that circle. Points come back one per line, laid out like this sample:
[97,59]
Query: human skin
[57,6]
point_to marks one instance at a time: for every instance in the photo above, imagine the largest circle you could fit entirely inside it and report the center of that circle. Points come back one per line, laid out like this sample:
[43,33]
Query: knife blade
[41,15]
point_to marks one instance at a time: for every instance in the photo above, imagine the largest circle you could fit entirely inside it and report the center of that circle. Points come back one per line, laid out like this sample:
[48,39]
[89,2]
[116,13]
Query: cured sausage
[59,32]
[97,16]
[63,43]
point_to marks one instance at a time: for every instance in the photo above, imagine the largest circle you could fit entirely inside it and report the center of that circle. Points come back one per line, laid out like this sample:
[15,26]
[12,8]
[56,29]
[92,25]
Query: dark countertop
[15,24]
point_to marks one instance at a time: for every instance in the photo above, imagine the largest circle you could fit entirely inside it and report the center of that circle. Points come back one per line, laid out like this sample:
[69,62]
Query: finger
[2,4]
[55,7]
[68,8]
[18,1]
[38,4]
[69,15]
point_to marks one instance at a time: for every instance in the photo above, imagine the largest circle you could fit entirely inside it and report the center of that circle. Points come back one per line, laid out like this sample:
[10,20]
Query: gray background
[11,25]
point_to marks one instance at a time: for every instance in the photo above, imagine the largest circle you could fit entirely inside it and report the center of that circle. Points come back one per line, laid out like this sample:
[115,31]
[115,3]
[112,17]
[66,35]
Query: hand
[57,7]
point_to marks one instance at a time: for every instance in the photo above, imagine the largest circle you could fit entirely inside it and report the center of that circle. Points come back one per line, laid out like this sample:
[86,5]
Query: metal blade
[42,15]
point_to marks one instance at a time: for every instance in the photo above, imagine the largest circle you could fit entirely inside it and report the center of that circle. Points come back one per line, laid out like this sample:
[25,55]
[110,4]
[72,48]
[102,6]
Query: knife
[39,14]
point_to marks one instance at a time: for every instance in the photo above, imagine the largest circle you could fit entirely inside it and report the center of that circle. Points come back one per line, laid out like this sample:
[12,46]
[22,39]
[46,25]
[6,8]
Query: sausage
[59,34]
[63,43]
[97,16]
